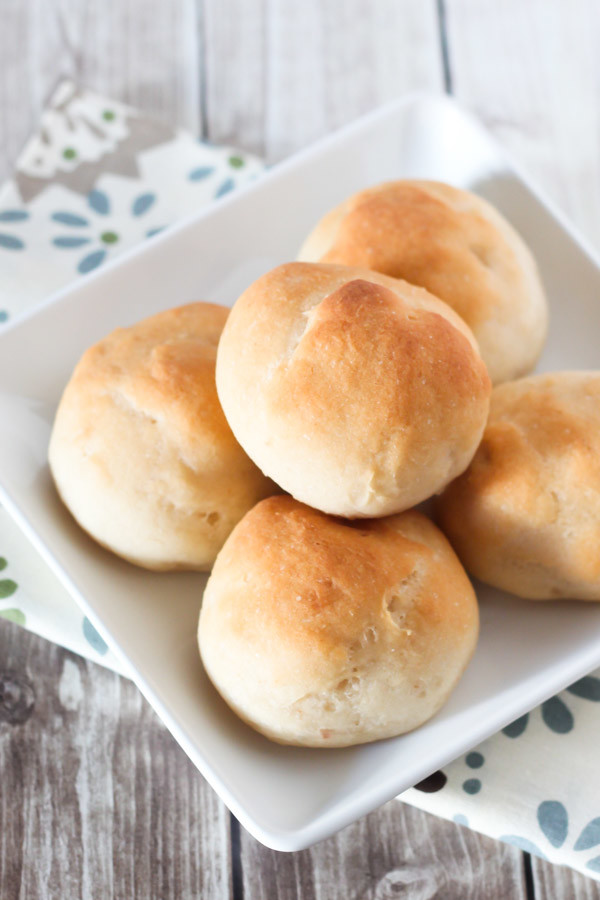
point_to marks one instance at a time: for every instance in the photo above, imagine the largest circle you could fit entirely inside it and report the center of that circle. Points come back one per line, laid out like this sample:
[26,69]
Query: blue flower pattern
[556,715]
[553,821]
[8,240]
[225,184]
[94,639]
[201,173]
[85,231]
[552,815]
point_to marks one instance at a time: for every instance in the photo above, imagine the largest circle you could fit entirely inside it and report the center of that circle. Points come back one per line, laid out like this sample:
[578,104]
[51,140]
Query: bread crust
[458,247]
[359,394]
[141,452]
[322,632]
[525,516]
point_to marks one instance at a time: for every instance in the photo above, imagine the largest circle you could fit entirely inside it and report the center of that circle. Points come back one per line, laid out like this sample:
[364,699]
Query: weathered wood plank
[331,62]
[235,72]
[555,882]
[280,75]
[531,71]
[146,54]
[396,851]
[96,798]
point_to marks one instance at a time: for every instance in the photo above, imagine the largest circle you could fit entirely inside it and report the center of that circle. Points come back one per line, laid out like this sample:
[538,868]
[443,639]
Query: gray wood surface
[96,799]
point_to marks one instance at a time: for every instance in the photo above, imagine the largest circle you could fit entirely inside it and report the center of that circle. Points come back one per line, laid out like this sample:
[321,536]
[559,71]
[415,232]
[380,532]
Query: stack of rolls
[339,615]
[352,385]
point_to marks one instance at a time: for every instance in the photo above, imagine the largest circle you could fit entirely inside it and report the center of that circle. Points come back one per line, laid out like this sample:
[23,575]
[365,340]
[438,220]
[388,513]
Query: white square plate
[289,798]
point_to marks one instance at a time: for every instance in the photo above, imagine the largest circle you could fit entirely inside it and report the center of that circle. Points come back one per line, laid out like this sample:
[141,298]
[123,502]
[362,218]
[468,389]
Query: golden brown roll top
[525,516]
[322,632]
[141,452]
[454,244]
[359,394]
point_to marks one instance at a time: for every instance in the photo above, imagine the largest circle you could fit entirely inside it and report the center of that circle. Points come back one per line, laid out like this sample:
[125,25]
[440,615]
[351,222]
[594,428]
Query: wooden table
[96,799]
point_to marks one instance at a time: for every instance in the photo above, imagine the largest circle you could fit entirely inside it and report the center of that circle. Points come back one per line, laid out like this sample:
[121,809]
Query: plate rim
[320,826]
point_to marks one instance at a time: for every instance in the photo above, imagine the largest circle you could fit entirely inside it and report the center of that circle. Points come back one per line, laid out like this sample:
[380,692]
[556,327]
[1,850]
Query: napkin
[98,178]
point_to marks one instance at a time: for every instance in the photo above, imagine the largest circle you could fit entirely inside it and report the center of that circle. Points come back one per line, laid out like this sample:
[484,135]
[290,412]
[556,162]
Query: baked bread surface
[458,247]
[325,633]
[359,394]
[141,452]
[525,516]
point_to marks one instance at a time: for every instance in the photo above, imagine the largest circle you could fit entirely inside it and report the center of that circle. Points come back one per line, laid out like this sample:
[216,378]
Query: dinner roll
[141,452]
[457,246]
[322,632]
[359,394]
[525,516]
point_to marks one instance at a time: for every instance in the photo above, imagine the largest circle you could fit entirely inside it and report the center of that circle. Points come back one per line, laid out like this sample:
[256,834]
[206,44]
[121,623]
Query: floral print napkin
[98,178]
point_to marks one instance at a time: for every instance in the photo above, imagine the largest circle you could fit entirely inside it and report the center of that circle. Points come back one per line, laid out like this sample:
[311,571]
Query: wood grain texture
[143,52]
[531,72]
[96,800]
[296,71]
[396,851]
[235,72]
[558,882]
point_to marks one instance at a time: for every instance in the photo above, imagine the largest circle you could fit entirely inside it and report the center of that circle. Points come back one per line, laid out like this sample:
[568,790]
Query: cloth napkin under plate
[98,178]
